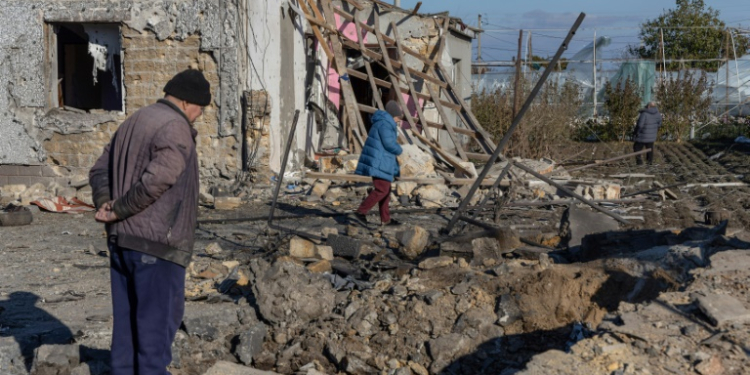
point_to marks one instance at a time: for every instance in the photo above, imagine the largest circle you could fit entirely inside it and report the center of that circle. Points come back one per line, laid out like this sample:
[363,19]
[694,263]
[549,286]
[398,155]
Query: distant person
[378,160]
[145,187]
[646,130]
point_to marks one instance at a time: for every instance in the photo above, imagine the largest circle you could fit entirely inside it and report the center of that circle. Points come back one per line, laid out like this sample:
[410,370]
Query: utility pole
[726,81]
[479,39]
[594,91]
[517,84]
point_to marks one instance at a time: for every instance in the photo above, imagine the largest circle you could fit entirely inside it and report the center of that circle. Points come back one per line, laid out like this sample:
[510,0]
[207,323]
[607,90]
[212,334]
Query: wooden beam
[370,75]
[396,64]
[473,122]
[364,76]
[350,100]
[322,42]
[410,84]
[386,38]
[355,4]
[392,73]
[370,109]
[358,178]
[448,157]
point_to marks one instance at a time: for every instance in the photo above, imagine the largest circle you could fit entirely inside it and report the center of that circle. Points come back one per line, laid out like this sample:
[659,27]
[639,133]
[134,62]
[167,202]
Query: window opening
[89,66]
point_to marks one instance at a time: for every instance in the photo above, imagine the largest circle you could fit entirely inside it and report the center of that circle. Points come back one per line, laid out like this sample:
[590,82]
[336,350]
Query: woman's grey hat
[394,109]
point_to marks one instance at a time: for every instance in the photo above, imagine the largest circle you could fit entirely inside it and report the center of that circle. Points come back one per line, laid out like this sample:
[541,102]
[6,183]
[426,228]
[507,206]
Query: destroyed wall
[39,141]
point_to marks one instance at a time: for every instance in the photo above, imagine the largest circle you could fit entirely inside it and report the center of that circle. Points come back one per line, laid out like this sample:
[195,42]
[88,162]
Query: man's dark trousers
[638,146]
[148,301]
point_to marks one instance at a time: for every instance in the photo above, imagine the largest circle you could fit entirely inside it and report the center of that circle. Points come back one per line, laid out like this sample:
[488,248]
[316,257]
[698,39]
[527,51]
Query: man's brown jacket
[150,170]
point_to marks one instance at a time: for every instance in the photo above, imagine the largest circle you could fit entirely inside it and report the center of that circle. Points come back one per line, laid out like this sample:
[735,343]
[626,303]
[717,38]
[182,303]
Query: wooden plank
[471,133]
[410,84]
[386,38]
[473,122]
[322,42]
[358,178]
[396,64]
[355,4]
[370,76]
[446,123]
[350,100]
[392,73]
[385,84]
[448,157]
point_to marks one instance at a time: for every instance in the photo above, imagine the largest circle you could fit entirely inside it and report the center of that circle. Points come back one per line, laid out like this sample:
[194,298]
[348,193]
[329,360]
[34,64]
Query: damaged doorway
[362,89]
[86,66]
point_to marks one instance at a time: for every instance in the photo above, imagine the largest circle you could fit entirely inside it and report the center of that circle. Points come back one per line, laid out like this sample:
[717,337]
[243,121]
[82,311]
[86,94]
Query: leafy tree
[622,101]
[691,31]
[683,100]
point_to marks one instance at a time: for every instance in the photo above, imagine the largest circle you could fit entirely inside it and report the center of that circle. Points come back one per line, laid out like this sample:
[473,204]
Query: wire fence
[596,56]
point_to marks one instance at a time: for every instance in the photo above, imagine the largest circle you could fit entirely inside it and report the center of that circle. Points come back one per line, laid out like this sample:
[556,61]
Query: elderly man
[646,131]
[145,187]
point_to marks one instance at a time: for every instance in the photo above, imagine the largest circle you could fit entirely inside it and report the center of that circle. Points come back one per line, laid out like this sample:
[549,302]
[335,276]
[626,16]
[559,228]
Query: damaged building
[72,71]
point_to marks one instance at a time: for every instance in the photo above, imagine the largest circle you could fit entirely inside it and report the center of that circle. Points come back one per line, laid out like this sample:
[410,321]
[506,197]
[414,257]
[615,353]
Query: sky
[550,20]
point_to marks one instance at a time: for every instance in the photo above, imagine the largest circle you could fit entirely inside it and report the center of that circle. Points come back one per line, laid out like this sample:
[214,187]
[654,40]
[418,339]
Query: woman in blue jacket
[378,160]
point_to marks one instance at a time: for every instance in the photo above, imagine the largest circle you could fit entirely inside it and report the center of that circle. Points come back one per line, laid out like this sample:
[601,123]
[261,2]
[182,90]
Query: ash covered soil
[666,294]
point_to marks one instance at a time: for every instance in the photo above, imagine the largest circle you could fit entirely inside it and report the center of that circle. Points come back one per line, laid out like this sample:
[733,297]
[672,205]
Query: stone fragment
[470,168]
[33,193]
[328,230]
[436,262]
[251,343]
[405,187]
[414,162]
[320,188]
[321,266]
[227,203]
[431,196]
[324,252]
[722,309]
[11,358]
[712,366]
[206,199]
[443,349]
[213,248]
[229,368]
[48,358]
[413,241]
[286,293]
[301,248]
[203,321]
[507,310]
[350,162]
[580,223]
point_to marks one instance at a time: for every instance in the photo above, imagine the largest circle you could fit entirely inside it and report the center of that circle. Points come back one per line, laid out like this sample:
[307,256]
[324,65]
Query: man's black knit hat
[190,86]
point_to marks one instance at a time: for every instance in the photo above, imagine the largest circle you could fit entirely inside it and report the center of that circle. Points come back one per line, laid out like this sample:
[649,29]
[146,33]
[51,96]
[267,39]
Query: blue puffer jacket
[647,128]
[378,157]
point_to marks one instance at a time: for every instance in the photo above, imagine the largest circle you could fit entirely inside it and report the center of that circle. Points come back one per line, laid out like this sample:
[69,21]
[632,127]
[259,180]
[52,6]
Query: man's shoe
[392,223]
[360,217]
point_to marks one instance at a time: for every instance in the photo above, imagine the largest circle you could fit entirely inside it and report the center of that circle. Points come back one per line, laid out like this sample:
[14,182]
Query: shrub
[683,101]
[622,102]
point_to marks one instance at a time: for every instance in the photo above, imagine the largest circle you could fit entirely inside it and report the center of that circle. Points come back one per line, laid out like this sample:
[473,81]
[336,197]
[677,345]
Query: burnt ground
[632,313]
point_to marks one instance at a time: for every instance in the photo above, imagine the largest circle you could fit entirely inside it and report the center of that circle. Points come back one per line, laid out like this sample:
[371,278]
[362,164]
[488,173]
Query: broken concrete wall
[159,39]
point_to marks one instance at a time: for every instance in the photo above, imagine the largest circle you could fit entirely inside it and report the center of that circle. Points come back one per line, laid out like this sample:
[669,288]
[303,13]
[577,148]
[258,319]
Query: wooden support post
[350,101]
[318,35]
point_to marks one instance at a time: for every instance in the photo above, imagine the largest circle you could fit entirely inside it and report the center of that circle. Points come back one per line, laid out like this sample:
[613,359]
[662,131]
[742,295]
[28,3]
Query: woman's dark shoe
[360,217]
[392,223]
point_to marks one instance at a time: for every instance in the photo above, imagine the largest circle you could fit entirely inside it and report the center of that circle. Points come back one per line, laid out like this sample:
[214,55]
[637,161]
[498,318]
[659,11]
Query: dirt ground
[638,312]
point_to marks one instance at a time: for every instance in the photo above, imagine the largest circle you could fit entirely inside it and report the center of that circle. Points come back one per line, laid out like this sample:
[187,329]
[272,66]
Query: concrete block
[227,203]
[324,252]
[414,162]
[436,262]
[251,343]
[722,309]
[320,188]
[581,223]
[405,187]
[344,246]
[301,248]
[8,170]
[321,266]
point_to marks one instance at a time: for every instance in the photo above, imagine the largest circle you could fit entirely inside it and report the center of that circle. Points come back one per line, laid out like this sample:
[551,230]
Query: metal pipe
[280,177]
[514,124]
